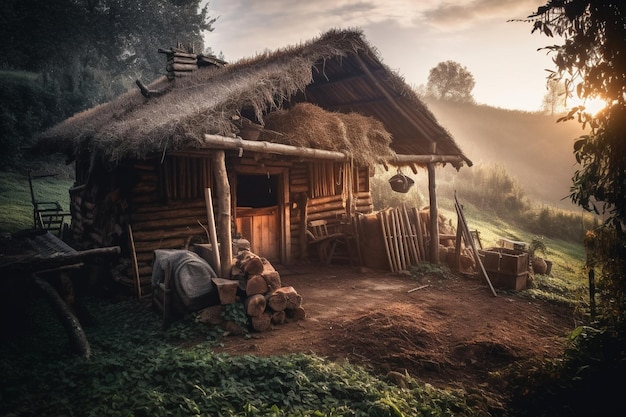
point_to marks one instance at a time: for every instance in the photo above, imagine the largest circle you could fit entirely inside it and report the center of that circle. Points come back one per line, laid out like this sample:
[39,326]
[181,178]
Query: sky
[411,36]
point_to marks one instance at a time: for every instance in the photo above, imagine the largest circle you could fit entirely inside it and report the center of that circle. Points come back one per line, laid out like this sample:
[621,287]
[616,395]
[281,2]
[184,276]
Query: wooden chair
[327,242]
[47,215]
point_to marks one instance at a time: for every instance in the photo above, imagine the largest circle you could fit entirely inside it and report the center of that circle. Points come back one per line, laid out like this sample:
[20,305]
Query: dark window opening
[257,191]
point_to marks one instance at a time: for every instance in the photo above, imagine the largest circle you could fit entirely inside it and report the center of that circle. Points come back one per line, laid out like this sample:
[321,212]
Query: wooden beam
[222,142]
[392,101]
[427,159]
[434,215]
[224,213]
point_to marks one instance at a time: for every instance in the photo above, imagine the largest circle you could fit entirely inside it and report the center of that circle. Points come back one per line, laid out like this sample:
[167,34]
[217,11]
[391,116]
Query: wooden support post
[224,211]
[434,215]
[215,249]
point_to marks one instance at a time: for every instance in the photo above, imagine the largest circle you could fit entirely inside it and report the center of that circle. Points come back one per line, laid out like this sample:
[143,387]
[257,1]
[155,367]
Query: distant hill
[531,146]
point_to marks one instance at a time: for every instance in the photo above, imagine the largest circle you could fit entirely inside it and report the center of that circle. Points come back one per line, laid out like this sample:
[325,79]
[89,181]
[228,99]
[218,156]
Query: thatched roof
[339,72]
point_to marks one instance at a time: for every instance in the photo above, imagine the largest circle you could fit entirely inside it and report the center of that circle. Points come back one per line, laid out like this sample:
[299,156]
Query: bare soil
[452,332]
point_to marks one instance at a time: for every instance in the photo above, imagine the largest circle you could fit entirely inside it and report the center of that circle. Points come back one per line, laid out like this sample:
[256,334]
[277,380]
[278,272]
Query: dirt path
[451,333]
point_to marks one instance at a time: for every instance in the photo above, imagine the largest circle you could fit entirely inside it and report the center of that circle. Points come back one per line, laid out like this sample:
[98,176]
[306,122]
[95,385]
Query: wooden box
[507,268]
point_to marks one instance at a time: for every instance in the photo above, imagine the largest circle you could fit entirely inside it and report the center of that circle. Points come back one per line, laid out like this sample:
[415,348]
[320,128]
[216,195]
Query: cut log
[267,266]
[249,263]
[272,279]
[295,314]
[226,290]
[255,305]
[277,301]
[279,317]
[256,285]
[261,322]
[294,300]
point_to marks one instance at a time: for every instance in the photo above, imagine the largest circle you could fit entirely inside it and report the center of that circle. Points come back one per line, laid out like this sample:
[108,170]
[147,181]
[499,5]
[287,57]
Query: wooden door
[261,227]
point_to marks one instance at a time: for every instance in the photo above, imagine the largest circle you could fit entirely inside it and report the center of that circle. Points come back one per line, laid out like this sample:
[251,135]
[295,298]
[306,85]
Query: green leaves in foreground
[138,370]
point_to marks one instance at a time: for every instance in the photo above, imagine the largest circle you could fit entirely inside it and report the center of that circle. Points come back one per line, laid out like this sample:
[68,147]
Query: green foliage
[79,54]
[590,65]
[26,107]
[138,370]
[606,254]
[236,312]
[583,383]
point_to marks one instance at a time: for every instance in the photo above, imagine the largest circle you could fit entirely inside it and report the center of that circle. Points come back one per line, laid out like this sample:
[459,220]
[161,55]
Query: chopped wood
[255,284]
[296,314]
[272,279]
[249,263]
[226,290]
[279,317]
[277,301]
[255,305]
[262,322]
[294,300]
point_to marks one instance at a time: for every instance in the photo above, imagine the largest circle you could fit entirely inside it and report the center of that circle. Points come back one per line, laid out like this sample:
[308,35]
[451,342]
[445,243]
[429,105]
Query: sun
[592,106]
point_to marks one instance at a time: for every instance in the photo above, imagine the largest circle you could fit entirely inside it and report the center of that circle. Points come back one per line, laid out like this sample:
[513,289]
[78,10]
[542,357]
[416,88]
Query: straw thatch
[307,125]
[212,101]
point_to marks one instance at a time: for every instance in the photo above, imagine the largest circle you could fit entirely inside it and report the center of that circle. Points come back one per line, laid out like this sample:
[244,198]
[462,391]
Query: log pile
[266,302]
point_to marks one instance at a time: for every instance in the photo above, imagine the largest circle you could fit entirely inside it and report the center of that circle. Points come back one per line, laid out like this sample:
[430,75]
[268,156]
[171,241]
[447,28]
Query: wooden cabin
[279,139]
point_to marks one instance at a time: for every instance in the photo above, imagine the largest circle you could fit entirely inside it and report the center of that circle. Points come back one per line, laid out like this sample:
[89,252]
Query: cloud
[459,15]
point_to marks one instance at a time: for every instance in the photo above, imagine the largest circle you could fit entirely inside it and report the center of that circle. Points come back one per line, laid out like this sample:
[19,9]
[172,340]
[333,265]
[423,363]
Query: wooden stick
[213,235]
[382,225]
[468,238]
[133,252]
[421,287]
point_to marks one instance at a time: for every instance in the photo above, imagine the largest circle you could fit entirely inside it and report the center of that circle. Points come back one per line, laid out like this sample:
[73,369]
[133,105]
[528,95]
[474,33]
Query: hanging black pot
[400,183]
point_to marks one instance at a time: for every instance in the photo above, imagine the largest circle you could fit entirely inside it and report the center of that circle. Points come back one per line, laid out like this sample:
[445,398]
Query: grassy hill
[531,147]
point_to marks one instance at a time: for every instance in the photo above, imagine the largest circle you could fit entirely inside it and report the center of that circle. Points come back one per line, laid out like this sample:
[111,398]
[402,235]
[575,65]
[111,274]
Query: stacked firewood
[266,301]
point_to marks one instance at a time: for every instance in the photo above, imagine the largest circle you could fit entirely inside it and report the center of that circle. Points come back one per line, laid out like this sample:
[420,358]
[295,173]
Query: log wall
[158,205]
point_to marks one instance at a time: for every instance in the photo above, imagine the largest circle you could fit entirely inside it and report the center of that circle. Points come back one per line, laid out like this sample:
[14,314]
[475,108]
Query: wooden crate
[507,268]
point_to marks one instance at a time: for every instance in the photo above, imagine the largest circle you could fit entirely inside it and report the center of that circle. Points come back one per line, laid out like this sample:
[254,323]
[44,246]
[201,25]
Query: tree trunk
[75,332]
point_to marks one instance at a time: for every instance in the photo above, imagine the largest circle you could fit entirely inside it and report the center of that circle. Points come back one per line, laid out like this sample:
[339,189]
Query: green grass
[16,209]
[138,370]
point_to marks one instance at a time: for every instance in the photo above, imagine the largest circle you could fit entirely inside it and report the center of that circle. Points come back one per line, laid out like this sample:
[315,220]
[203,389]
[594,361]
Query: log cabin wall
[317,192]
[160,204]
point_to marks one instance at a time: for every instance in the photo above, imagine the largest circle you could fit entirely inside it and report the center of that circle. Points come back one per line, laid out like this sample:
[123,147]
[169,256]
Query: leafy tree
[451,81]
[89,51]
[591,64]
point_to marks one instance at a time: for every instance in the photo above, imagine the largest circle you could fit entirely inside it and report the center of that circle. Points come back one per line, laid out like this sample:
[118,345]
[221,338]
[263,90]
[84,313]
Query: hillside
[532,147]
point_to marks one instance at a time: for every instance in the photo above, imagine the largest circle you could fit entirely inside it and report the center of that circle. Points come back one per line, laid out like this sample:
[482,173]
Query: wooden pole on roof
[224,212]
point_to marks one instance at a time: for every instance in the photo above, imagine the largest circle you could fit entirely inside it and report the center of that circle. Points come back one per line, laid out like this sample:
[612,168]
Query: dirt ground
[451,333]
